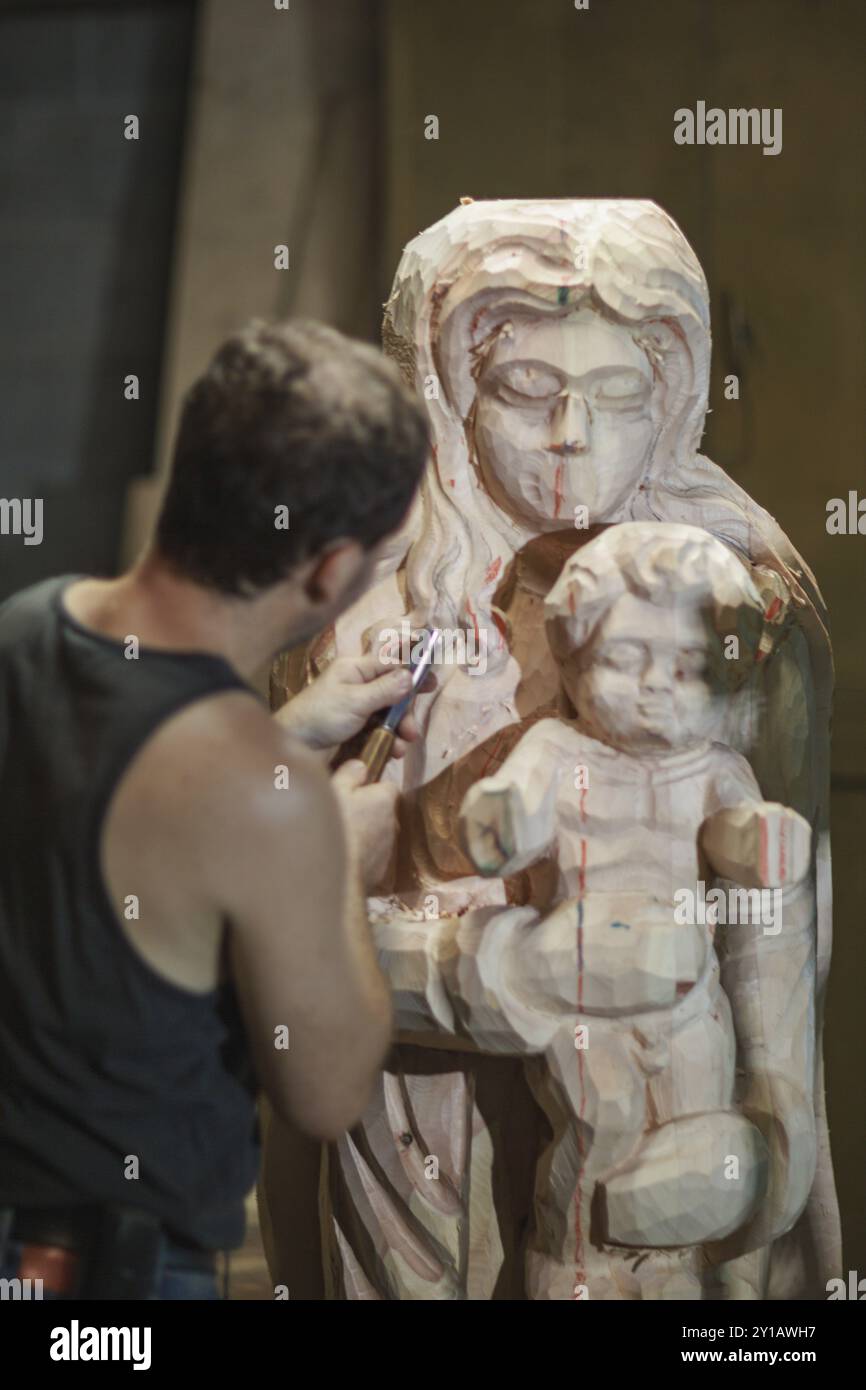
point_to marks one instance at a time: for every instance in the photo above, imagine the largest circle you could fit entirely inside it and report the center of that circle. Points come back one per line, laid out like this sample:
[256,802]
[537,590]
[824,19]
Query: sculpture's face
[563,419]
[645,682]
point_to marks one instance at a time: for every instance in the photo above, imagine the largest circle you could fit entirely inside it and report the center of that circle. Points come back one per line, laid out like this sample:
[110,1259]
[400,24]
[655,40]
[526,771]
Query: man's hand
[370,816]
[339,703]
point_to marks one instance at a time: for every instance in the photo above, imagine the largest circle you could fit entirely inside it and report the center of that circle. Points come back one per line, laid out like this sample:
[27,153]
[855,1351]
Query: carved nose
[570,433]
[657,680]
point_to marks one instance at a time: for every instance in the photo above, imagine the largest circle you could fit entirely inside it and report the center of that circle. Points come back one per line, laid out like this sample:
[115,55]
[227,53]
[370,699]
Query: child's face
[644,683]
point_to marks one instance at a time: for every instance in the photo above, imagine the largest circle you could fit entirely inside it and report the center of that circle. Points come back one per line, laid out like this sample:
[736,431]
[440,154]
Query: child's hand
[508,821]
[487,826]
[758,844]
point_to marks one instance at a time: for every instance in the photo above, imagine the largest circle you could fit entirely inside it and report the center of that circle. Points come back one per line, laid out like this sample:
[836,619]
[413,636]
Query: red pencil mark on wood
[494,752]
[474,619]
[492,570]
[579,1271]
[581,873]
[557,490]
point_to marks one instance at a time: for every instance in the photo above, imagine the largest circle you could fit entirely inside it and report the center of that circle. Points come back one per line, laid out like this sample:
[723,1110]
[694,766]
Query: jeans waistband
[75,1228]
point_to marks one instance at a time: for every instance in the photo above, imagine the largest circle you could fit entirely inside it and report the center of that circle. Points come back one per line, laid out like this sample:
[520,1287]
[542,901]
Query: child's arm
[508,821]
[769,978]
[756,843]
[768,974]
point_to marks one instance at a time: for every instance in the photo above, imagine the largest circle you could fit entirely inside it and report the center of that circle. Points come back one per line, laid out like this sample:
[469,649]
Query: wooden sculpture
[652,1148]
[563,351]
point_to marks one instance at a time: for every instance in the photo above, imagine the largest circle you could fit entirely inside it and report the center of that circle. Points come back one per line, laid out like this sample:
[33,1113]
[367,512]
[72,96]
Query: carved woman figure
[563,350]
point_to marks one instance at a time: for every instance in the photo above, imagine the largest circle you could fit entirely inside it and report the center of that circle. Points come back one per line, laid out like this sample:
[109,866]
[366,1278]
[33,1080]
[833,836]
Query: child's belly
[614,953]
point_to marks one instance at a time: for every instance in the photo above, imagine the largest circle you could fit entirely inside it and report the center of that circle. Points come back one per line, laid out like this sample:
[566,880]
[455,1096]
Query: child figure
[619,812]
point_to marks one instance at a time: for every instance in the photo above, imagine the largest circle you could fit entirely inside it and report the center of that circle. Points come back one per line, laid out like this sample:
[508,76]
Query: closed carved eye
[691,662]
[520,379]
[622,656]
[625,391]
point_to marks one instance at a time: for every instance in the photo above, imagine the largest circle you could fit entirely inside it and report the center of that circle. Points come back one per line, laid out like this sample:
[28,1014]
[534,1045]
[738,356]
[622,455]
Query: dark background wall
[86,223]
[308,127]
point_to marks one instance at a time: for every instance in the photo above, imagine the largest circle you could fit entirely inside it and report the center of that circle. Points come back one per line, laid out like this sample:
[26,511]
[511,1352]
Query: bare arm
[300,947]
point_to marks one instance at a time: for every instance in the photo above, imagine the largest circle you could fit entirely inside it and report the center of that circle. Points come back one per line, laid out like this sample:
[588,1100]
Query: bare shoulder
[723,758]
[218,817]
[222,771]
[550,736]
[731,776]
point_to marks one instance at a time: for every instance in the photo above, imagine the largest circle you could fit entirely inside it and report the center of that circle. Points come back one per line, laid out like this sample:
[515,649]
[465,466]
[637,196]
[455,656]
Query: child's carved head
[654,627]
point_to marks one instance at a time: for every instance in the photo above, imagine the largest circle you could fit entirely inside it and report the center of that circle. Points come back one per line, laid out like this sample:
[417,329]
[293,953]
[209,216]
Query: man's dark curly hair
[288,415]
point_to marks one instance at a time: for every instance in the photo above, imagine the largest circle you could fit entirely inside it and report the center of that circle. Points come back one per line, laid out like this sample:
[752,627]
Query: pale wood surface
[470,712]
